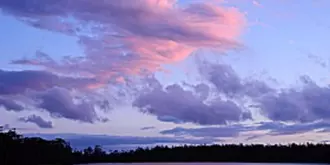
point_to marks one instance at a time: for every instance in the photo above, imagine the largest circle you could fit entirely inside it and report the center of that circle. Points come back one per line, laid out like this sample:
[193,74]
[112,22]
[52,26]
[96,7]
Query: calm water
[201,164]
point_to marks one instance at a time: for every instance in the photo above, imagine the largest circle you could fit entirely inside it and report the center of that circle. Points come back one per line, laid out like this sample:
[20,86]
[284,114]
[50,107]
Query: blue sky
[279,41]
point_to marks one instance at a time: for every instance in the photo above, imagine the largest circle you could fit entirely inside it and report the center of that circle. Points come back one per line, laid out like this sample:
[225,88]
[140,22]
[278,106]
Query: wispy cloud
[121,37]
[232,131]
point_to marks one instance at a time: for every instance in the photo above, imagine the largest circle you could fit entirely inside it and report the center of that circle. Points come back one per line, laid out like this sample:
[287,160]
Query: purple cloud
[50,92]
[10,104]
[40,122]
[277,128]
[176,104]
[308,104]
[199,105]
[18,82]
[228,82]
[223,131]
[60,103]
[230,131]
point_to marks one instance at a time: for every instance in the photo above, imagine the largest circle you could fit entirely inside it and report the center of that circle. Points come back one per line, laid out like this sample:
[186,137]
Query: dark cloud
[282,129]
[37,120]
[60,103]
[198,105]
[223,77]
[148,128]
[18,82]
[228,82]
[10,104]
[252,137]
[178,105]
[80,140]
[44,90]
[307,104]
[223,131]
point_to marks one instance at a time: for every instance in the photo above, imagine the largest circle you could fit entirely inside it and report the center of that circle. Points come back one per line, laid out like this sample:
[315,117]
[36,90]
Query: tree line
[17,150]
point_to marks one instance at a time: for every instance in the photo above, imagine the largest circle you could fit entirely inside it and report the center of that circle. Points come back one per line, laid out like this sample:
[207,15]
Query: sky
[124,73]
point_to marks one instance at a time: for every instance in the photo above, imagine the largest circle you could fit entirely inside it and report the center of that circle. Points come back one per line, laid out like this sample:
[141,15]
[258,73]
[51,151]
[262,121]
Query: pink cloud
[123,38]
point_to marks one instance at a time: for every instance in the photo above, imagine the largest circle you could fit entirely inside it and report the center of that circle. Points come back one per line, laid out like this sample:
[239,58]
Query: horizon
[166,71]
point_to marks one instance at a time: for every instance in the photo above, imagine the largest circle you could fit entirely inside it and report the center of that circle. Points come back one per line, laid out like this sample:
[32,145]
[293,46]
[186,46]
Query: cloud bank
[120,39]
[235,130]
[225,98]
[123,39]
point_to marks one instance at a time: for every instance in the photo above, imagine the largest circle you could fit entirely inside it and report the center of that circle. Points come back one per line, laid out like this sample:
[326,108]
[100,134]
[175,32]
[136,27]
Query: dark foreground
[18,150]
[202,163]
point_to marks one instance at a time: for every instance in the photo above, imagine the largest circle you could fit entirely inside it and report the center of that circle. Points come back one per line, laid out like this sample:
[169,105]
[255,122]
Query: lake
[201,164]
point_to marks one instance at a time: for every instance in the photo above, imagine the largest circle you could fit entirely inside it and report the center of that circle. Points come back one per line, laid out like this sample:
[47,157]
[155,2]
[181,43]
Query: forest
[16,149]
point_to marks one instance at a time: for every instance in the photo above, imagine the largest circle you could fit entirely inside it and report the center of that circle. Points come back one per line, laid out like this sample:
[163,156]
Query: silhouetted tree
[15,149]
[18,150]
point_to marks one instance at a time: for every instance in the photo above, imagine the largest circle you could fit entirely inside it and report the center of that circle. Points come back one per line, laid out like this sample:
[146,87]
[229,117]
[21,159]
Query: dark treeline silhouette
[18,150]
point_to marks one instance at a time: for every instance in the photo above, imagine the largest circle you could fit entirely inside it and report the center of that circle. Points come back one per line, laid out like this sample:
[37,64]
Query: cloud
[175,104]
[27,89]
[219,99]
[307,104]
[252,137]
[277,128]
[18,82]
[9,104]
[228,82]
[125,38]
[220,131]
[81,140]
[37,120]
[120,39]
[60,103]
[304,104]
[147,128]
[235,130]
